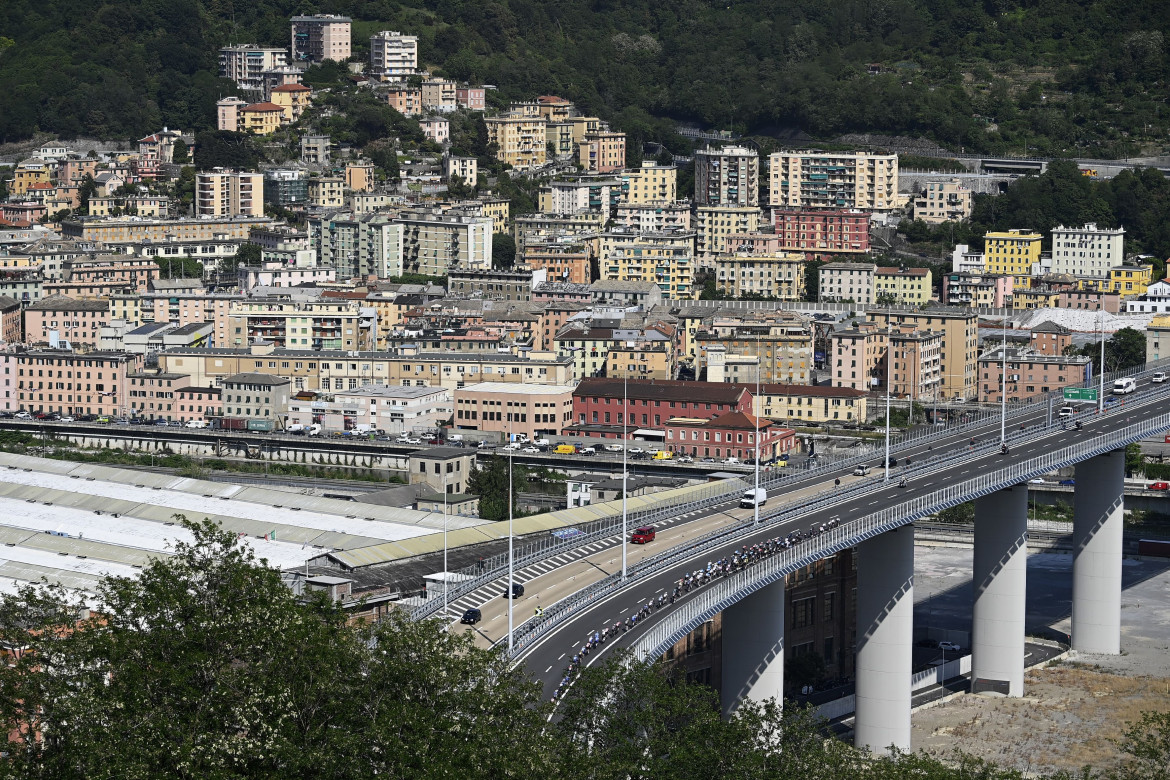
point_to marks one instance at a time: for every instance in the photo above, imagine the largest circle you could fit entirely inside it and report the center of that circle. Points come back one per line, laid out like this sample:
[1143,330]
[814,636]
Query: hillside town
[336,283]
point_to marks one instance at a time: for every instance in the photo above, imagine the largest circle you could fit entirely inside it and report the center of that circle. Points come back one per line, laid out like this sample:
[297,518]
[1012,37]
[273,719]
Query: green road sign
[1080,394]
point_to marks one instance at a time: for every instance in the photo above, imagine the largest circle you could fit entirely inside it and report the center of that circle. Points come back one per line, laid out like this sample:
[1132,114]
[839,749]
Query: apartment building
[663,259]
[916,372]
[466,168]
[436,128]
[559,260]
[1125,280]
[320,37]
[69,382]
[359,176]
[315,149]
[715,224]
[198,403]
[434,242]
[833,180]
[732,435]
[293,99]
[260,118]
[579,193]
[393,54]
[405,99]
[301,325]
[520,140]
[779,276]
[227,194]
[977,290]
[855,356]
[246,63]
[535,411]
[902,286]
[840,282]
[497,285]
[784,349]
[943,201]
[958,352]
[1029,373]
[357,245]
[255,401]
[137,273]
[810,404]
[391,408]
[327,192]
[135,230]
[653,217]
[727,177]
[1087,250]
[822,232]
[1012,252]
[649,183]
[439,94]
[602,152]
[152,394]
[648,354]
[344,370]
[77,321]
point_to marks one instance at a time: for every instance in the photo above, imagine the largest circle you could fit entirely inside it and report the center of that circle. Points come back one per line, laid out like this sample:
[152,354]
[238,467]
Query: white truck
[196,424]
[753,498]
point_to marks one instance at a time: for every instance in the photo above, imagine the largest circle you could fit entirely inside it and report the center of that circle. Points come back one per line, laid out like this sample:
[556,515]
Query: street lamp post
[757,419]
[625,471]
[446,573]
[889,374]
[1003,389]
[1101,336]
[511,572]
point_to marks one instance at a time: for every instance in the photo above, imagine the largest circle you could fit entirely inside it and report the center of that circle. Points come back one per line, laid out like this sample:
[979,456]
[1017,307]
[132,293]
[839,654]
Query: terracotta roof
[907,271]
[262,107]
[292,88]
[40,185]
[736,420]
[816,391]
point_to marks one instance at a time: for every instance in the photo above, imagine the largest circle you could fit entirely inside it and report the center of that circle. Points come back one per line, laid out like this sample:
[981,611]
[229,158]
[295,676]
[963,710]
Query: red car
[1158,486]
[642,535]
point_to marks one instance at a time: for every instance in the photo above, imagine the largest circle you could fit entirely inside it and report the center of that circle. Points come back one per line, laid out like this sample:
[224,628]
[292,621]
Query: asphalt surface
[548,656]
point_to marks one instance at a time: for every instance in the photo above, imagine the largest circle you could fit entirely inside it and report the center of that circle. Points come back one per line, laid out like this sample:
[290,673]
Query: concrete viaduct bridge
[876,517]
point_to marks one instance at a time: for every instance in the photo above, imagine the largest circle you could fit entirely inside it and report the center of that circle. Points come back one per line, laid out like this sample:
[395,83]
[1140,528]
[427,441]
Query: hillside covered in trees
[1053,76]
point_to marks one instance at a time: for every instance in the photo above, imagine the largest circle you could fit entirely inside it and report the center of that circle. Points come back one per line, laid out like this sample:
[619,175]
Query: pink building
[198,403]
[471,98]
[190,308]
[71,383]
[1029,373]
[753,244]
[822,232]
[153,394]
[965,288]
[511,409]
[77,321]
[436,128]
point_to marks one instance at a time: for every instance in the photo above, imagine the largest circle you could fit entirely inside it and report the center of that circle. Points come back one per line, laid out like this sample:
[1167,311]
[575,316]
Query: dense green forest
[207,665]
[1051,76]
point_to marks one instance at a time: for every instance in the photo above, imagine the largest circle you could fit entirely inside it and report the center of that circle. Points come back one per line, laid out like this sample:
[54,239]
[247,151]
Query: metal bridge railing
[726,592]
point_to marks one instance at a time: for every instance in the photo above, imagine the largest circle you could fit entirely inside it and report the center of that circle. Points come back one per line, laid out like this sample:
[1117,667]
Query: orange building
[293,98]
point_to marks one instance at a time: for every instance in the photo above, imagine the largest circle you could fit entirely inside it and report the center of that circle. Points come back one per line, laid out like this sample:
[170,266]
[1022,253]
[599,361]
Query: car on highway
[6,415]
[892,462]
[517,591]
[587,451]
[530,450]
[513,446]
[613,448]
[1159,377]
[87,418]
[162,422]
[408,440]
[642,535]
[1066,411]
[1158,486]
[684,459]
[471,617]
[1111,401]
[104,420]
[1068,482]
[635,450]
[66,418]
[1037,481]
[861,471]
[950,647]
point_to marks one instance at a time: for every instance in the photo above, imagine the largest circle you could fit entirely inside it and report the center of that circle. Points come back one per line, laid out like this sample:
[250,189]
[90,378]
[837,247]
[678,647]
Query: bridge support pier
[1000,577]
[1097,548]
[885,640]
[753,648]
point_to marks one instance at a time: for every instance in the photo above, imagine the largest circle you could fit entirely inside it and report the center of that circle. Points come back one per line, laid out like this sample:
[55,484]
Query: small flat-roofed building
[442,469]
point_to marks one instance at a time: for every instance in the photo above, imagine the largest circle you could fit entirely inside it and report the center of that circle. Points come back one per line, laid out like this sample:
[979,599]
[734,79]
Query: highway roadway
[547,656]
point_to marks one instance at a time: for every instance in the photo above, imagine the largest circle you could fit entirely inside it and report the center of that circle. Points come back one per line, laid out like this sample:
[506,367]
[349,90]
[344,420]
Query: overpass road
[546,655]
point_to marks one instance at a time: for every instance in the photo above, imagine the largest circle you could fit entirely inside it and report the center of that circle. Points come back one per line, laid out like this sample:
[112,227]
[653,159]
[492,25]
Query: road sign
[1080,394]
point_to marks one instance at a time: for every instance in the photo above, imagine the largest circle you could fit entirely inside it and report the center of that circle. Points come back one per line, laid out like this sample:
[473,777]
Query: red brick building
[819,232]
[598,408]
[732,435]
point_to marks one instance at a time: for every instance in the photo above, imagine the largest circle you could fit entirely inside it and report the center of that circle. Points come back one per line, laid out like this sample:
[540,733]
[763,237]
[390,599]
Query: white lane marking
[546,671]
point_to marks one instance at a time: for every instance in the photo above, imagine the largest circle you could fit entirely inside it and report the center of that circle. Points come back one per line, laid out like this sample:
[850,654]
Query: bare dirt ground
[1074,710]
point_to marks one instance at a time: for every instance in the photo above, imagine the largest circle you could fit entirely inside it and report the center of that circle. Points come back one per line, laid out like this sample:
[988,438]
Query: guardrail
[496,567]
[728,591]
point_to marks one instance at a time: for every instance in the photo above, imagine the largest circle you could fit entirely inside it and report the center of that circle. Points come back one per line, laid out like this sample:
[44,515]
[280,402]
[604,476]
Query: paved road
[547,658]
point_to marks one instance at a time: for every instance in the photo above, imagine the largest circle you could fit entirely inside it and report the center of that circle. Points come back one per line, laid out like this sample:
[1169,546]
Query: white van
[1124,386]
[861,471]
[196,424]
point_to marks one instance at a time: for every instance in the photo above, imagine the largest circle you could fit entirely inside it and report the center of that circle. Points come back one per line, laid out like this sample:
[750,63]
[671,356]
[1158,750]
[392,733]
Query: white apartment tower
[245,64]
[836,180]
[393,54]
[727,177]
[1087,251]
[321,37]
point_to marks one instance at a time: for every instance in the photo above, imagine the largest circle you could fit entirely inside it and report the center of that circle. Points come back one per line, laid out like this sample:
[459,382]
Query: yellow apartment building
[520,140]
[645,259]
[260,118]
[809,404]
[903,286]
[1011,253]
[293,99]
[650,183]
[778,275]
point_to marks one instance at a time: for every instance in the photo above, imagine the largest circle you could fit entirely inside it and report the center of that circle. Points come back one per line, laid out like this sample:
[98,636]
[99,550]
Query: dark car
[87,418]
[893,462]
[1068,482]
[517,590]
[931,643]
[6,415]
[471,617]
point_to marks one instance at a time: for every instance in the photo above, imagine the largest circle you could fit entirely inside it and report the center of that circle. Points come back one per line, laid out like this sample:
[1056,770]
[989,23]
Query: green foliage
[358,117]
[180,268]
[86,190]
[181,155]
[503,250]
[5,175]
[1147,744]
[1133,459]
[225,149]
[917,162]
[1125,349]
[248,254]
[812,279]
[490,483]
[963,514]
